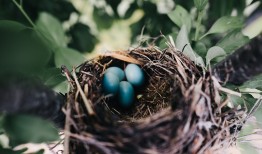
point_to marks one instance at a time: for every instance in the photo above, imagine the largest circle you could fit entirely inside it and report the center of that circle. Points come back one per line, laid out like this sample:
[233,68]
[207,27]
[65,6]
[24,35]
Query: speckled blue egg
[110,83]
[134,75]
[126,94]
[117,71]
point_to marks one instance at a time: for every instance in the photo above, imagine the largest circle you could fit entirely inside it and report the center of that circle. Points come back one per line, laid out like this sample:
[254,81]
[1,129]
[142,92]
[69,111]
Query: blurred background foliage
[99,25]
[38,36]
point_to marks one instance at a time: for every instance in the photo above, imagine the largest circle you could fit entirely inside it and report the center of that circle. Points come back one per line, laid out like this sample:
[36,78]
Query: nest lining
[179,109]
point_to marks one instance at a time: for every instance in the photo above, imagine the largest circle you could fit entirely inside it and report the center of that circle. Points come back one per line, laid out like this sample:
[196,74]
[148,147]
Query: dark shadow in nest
[179,111]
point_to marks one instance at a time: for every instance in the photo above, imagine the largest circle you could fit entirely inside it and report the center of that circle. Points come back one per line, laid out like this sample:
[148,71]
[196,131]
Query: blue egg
[117,71]
[134,75]
[110,83]
[126,94]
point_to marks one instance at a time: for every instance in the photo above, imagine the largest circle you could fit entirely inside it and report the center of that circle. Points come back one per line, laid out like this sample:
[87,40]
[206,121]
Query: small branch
[67,129]
[67,74]
[19,6]
[220,88]
[199,19]
[86,101]
[118,55]
[229,91]
[91,142]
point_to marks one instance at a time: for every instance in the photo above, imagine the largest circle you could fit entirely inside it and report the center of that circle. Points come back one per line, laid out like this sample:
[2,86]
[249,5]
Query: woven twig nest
[179,110]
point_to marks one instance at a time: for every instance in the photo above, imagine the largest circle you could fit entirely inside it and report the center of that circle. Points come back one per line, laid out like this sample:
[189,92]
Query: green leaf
[182,43]
[249,101]
[61,87]
[52,77]
[225,24]
[11,26]
[181,17]
[68,57]
[236,100]
[54,80]
[232,41]
[254,83]
[258,115]
[24,129]
[52,29]
[200,49]
[214,52]
[23,51]
[247,129]
[200,4]
[246,100]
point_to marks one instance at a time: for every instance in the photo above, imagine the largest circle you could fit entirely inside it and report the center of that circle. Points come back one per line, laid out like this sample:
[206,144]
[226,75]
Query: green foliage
[13,26]
[246,100]
[68,57]
[255,83]
[183,44]
[225,24]
[52,30]
[42,48]
[62,87]
[52,77]
[200,4]
[181,17]
[220,8]
[214,52]
[82,39]
[201,49]
[23,51]
[232,41]
[23,129]
[100,16]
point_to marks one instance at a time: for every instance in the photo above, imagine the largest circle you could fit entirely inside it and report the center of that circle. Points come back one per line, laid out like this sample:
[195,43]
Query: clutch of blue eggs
[122,84]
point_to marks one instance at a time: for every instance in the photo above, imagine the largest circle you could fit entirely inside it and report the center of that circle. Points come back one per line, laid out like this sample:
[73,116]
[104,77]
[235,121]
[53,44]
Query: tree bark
[242,65]
[25,95]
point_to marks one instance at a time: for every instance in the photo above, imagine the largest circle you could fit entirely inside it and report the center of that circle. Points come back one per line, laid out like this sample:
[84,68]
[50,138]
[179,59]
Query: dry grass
[179,110]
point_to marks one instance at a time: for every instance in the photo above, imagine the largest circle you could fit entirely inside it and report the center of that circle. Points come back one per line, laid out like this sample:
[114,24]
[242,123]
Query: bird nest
[179,109]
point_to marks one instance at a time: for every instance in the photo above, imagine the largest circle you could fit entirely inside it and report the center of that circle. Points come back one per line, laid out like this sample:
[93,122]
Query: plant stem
[199,19]
[203,36]
[24,13]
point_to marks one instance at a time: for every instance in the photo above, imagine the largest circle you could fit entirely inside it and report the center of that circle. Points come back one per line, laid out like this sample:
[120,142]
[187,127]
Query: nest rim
[189,84]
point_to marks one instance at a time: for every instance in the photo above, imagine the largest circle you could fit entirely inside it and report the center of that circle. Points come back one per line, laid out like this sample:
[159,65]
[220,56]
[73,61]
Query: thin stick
[224,89]
[24,13]
[86,101]
[92,142]
[122,57]
[67,74]
[67,129]
[255,107]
